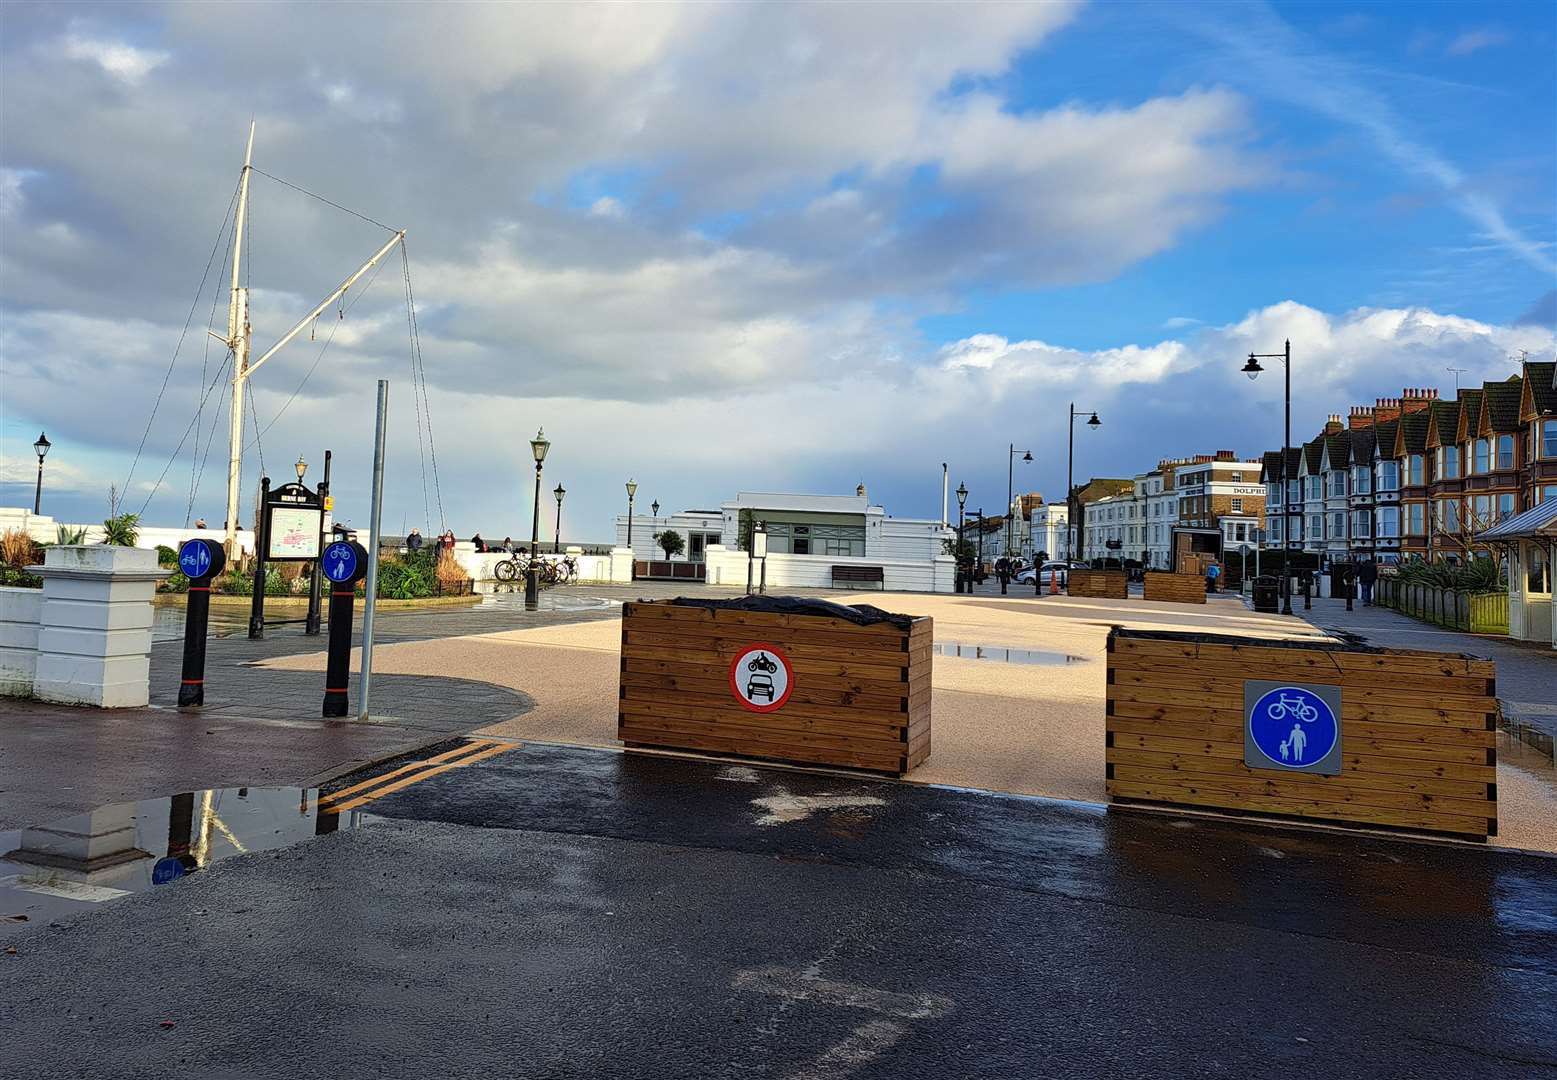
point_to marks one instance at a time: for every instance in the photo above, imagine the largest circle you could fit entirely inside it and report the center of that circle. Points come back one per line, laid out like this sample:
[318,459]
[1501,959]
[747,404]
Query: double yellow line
[359,794]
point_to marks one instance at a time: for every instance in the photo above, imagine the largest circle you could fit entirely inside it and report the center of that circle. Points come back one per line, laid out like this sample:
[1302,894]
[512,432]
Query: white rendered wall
[21,611]
[727,567]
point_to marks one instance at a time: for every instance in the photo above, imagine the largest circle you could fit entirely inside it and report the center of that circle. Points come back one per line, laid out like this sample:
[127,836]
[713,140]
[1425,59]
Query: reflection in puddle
[1003,655]
[168,622]
[67,866]
[512,595]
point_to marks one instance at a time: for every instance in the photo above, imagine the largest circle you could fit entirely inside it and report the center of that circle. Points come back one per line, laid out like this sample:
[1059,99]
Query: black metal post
[1070,487]
[532,575]
[632,560]
[1286,457]
[261,546]
[962,562]
[556,540]
[197,613]
[37,495]
[311,624]
[1010,494]
[978,567]
[349,561]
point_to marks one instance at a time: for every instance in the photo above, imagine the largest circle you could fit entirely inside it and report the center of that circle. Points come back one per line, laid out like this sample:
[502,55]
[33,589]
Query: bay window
[1448,463]
[1362,523]
[1505,451]
[1387,520]
[1479,458]
[1338,525]
[1416,470]
[1448,514]
[1337,484]
[1481,512]
[1388,476]
[1360,481]
[1548,438]
[1416,519]
[1505,506]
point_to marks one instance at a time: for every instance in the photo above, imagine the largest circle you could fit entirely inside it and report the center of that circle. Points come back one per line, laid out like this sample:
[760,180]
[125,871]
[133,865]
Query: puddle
[167,622]
[73,864]
[1003,655]
[549,600]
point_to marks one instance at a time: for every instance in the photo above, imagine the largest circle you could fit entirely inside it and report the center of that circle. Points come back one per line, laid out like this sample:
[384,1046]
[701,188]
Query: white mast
[239,341]
[238,337]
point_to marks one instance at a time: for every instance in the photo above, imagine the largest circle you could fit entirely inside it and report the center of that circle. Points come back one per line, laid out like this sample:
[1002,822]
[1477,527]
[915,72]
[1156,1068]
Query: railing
[1457,609]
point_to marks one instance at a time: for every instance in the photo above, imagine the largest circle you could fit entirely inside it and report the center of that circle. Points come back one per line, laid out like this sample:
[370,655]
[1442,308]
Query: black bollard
[200,560]
[344,563]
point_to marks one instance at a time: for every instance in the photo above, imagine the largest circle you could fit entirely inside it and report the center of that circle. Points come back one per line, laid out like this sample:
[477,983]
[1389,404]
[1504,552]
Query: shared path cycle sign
[1292,727]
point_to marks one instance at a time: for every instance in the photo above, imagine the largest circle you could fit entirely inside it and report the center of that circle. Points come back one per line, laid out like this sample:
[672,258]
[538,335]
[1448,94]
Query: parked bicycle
[562,571]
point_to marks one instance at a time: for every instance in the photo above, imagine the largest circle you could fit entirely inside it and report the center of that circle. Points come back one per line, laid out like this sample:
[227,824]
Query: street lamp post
[556,542]
[962,505]
[41,448]
[1027,456]
[1253,369]
[1070,481]
[654,527]
[632,491]
[532,575]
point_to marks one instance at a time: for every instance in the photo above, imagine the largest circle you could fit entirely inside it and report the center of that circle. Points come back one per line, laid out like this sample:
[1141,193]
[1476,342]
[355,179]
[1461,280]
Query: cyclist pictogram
[761,678]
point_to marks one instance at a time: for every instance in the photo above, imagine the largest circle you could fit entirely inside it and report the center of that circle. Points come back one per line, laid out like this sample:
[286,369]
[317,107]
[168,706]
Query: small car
[1045,573]
[759,685]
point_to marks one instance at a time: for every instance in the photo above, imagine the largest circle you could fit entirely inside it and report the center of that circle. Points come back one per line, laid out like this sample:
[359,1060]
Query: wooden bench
[873,575]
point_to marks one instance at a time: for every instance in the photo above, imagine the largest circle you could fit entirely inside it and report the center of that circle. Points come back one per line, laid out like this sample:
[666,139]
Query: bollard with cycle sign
[200,560]
[345,563]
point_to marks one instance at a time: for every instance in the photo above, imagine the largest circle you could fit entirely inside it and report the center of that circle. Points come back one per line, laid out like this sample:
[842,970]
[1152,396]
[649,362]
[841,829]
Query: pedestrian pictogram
[761,678]
[1297,728]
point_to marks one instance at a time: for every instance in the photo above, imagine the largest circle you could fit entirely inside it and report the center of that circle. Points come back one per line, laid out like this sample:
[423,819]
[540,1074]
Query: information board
[294,532]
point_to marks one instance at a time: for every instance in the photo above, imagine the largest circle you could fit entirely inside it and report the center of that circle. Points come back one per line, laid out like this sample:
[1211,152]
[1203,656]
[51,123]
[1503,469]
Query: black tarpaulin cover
[859,614]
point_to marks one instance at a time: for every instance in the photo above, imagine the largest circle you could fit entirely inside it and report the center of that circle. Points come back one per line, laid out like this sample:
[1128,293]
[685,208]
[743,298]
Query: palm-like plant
[120,530]
[68,537]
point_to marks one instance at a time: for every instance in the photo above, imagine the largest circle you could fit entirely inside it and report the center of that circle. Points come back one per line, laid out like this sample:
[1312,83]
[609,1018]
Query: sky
[751,247]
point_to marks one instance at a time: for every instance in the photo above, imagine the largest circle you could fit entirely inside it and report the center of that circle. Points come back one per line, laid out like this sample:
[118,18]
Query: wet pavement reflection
[1005,655]
[556,599]
[76,863]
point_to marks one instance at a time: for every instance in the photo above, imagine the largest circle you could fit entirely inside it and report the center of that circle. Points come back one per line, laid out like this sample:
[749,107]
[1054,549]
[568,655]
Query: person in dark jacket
[1367,574]
[1003,572]
[478,543]
[413,542]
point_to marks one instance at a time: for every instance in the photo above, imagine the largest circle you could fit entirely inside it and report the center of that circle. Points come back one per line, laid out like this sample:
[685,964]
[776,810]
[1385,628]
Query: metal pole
[532,576]
[37,495]
[979,566]
[945,483]
[1010,474]
[632,560]
[1070,486]
[238,339]
[375,515]
[556,540]
[1286,457]
[261,572]
[316,586]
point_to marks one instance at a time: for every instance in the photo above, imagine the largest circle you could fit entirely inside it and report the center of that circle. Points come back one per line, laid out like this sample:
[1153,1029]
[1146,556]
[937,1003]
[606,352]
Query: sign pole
[200,560]
[261,547]
[316,585]
[376,516]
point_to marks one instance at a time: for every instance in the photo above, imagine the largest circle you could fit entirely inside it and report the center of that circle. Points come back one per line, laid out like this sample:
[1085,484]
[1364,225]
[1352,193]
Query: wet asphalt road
[555,912]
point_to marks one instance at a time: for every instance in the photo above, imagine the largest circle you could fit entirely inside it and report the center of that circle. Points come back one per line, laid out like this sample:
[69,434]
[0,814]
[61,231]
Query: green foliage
[745,521]
[969,550]
[177,583]
[1480,575]
[670,542]
[65,536]
[166,556]
[120,530]
[18,578]
[408,577]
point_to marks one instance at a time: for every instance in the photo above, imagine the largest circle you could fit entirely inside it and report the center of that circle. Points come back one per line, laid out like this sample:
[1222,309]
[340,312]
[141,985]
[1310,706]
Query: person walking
[1003,572]
[1213,576]
[1367,574]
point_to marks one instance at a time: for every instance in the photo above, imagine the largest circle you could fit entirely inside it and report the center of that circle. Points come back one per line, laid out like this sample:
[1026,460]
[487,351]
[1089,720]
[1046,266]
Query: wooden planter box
[1179,588]
[1418,736]
[1105,584]
[857,696]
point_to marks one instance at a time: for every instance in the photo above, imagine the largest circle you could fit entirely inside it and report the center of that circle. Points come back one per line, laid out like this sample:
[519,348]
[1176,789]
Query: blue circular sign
[166,870]
[340,561]
[194,558]
[1293,727]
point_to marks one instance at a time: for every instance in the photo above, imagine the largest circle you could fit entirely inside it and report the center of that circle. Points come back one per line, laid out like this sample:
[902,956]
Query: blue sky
[736,246]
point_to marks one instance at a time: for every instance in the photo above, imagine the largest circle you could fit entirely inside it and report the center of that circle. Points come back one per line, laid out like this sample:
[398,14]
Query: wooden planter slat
[1100,584]
[1418,739]
[1177,588]
[860,695]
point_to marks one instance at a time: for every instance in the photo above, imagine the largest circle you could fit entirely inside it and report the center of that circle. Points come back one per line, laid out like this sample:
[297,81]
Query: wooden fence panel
[1418,730]
[1177,588]
[860,695]
[1102,584]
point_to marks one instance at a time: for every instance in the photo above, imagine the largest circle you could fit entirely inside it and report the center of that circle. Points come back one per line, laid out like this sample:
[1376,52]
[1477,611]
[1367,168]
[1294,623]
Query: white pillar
[94,641]
[622,565]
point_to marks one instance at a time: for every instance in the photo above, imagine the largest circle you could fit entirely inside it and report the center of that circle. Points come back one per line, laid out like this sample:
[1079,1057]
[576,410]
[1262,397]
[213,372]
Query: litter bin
[1267,594]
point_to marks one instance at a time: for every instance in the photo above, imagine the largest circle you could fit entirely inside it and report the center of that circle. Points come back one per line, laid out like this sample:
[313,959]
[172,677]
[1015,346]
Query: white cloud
[124,62]
[607,207]
[1475,40]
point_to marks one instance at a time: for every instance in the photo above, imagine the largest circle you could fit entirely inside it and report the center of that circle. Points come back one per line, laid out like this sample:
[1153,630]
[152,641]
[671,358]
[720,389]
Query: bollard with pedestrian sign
[200,560]
[345,563]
